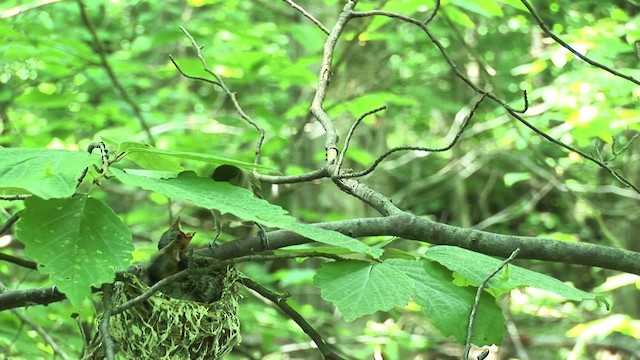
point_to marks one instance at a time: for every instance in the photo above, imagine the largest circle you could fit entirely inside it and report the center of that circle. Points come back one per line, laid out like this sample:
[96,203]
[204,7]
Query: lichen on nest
[171,325]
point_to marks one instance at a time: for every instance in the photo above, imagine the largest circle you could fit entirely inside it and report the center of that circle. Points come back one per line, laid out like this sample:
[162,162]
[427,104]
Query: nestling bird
[245,179]
[206,288]
[171,259]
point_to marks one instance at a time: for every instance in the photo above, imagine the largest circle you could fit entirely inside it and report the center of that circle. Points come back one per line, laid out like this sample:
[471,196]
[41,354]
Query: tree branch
[280,301]
[111,74]
[411,227]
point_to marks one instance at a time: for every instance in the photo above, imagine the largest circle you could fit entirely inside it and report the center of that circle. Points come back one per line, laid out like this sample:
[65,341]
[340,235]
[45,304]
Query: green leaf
[448,306]
[226,198]
[166,160]
[209,159]
[476,267]
[137,153]
[45,173]
[512,178]
[79,242]
[39,100]
[359,288]
[487,8]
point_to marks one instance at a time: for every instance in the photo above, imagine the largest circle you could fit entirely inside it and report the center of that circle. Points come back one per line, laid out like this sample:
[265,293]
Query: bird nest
[166,326]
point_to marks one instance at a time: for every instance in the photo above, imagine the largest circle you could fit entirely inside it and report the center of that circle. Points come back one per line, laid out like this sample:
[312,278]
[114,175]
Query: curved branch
[291,179]
[220,83]
[411,227]
[377,162]
[403,225]
[513,112]
[323,82]
[111,74]
[562,43]
[280,302]
[304,12]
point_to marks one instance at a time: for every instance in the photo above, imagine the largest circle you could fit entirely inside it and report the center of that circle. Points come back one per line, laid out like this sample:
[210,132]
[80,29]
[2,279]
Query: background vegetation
[62,89]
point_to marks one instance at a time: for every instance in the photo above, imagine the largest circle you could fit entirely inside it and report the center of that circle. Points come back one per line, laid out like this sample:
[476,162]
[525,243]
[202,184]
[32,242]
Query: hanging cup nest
[193,318]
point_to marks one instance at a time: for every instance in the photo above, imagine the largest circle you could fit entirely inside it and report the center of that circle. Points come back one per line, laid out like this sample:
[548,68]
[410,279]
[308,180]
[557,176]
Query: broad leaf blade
[79,242]
[152,158]
[476,267]
[448,306]
[359,288]
[226,198]
[45,173]
[137,152]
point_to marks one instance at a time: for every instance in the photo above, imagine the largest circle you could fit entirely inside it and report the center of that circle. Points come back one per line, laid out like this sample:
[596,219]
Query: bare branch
[557,39]
[220,83]
[377,162]
[323,82]
[513,112]
[111,74]
[13,197]
[12,220]
[107,341]
[476,302]
[280,301]
[18,261]
[307,15]
[350,134]
[290,179]
[433,14]
[402,225]
[411,227]
[43,333]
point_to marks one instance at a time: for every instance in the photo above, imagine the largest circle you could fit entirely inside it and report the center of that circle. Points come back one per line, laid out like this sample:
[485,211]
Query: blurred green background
[501,177]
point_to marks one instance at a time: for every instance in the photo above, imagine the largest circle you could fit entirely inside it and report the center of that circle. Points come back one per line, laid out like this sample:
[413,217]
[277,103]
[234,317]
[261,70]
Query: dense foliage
[124,73]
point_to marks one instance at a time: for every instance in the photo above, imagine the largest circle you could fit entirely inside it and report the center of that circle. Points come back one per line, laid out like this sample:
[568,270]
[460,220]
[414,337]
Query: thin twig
[291,179]
[104,155]
[7,225]
[19,261]
[43,333]
[434,13]
[476,302]
[307,15]
[280,301]
[557,39]
[148,293]
[111,74]
[350,134]
[220,83]
[13,197]
[377,162]
[526,103]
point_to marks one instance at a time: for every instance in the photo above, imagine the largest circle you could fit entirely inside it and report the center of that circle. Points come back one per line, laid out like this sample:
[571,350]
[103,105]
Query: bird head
[176,235]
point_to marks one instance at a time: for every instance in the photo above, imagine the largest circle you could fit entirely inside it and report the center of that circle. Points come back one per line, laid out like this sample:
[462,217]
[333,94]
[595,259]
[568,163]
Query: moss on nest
[165,327]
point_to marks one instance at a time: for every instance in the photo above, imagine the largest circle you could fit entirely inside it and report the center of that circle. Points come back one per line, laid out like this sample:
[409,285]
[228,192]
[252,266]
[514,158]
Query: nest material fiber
[165,327]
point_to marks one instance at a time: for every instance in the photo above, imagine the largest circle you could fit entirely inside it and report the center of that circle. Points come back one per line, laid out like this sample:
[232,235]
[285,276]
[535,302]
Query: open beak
[178,226]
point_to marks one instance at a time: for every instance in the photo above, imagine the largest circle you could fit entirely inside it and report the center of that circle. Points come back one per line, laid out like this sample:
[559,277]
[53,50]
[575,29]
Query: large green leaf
[152,158]
[475,268]
[240,202]
[137,152]
[448,306]
[359,288]
[79,242]
[45,173]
